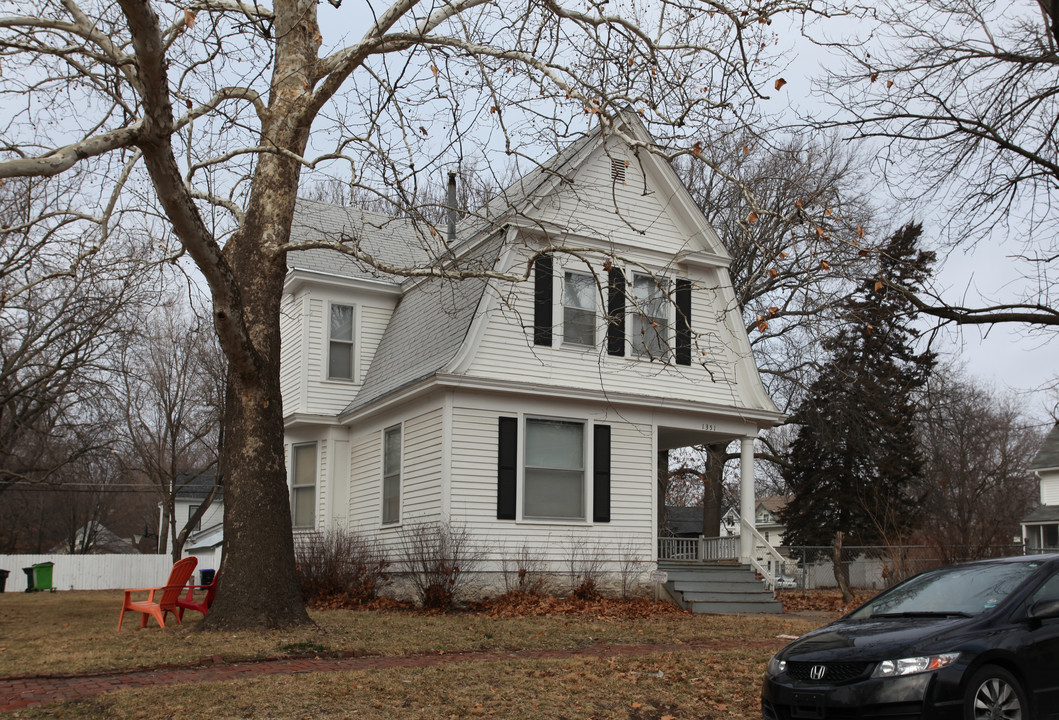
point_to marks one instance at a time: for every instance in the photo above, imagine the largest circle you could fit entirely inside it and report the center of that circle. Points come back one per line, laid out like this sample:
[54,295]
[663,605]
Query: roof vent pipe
[452,212]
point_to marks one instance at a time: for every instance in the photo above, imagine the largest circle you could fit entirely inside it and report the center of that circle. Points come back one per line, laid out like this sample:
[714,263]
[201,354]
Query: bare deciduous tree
[977,447]
[173,382]
[796,223]
[959,103]
[65,306]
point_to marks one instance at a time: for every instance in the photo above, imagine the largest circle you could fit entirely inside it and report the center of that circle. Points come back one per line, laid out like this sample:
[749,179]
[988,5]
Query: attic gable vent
[617,170]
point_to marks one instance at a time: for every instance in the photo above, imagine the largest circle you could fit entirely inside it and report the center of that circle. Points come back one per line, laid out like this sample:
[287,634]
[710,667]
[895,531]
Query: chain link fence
[876,567]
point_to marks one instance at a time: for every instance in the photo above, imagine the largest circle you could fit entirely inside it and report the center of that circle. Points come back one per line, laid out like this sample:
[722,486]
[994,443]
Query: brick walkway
[20,692]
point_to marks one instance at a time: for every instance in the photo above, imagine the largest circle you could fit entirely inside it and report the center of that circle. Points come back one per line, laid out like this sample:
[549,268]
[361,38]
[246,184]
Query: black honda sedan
[975,641]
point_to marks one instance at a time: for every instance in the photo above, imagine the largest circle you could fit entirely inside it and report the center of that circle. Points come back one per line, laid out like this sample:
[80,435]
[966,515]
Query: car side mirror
[1044,609]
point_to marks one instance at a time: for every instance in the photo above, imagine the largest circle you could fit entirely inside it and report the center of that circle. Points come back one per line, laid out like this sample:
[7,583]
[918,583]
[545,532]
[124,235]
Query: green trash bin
[42,576]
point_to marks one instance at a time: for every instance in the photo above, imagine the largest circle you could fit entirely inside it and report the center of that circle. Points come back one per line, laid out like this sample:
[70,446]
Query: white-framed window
[579,309]
[391,475]
[650,317]
[554,470]
[192,509]
[303,485]
[340,343]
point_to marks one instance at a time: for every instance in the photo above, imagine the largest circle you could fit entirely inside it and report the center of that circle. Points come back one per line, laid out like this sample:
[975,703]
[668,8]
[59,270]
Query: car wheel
[995,694]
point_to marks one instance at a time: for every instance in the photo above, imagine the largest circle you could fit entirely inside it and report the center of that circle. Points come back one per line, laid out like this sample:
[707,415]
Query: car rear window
[955,590]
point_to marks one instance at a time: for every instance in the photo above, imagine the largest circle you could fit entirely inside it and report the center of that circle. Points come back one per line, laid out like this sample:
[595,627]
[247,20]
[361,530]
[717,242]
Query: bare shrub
[523,571]
[630,567]
[341,563]
[585,562]
[440,559]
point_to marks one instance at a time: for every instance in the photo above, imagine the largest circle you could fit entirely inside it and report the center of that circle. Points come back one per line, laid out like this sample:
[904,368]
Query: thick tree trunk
[713,490]
[258,584]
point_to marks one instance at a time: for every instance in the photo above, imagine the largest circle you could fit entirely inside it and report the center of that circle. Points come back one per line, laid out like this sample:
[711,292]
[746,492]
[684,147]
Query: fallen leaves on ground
[829,601]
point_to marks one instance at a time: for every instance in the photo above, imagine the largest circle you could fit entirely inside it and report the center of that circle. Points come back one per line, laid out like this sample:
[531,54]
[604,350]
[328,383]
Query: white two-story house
[533,413]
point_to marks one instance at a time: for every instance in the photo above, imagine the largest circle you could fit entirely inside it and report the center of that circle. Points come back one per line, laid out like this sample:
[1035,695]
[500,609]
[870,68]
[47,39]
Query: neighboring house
[765,520]
[1040,529]
[100,540]
[206,537]
[531,413]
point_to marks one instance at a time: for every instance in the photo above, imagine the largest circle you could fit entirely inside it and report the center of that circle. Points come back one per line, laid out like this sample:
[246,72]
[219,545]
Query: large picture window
[391,475]
[303,485]
[650,320]
[340,343]
[554,484]
[579,309]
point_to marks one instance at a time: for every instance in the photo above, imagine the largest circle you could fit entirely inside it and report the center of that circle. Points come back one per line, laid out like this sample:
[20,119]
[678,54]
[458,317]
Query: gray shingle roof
[684,520]
[397,241]
[194,484]
[1043,514]
[427,329]
[1048,457]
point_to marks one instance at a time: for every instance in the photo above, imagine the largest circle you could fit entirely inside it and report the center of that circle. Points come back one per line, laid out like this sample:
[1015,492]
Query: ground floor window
[303,485]
[554,473]
[391,475]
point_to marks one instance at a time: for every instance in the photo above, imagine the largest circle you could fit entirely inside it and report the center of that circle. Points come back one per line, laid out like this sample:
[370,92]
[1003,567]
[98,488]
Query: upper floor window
[579,309]
[391,475]
[554,470]
[340,345]
[303,485]
[192,509]
[650,318]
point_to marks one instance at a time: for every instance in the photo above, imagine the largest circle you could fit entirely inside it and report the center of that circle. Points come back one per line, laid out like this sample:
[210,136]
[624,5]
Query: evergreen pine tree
[855,457]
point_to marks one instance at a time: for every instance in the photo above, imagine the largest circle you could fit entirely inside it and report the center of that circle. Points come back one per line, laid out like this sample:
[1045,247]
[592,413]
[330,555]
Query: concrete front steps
[709,589]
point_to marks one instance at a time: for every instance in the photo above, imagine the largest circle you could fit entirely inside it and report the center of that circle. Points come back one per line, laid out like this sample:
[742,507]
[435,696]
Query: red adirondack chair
[188,602]
[178,578]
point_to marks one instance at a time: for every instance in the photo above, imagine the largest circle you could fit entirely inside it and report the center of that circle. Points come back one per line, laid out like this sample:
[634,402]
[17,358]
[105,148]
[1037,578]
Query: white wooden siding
[506,352]
[213,516]
[291,360]
[373,322]
[474,477]
[365,490]
[421,468]
[330,397]
[320,518]
[589,208]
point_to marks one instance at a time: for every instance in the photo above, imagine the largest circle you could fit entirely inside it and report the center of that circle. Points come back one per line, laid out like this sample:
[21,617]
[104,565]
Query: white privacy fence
[90,572]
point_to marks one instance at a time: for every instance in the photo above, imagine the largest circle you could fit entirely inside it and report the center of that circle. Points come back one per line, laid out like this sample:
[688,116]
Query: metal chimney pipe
[452,212]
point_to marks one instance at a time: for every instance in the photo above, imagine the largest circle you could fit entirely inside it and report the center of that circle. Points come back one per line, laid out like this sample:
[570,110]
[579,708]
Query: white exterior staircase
[718,588]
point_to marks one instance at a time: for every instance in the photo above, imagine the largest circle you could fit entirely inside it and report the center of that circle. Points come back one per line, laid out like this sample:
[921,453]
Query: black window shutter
[601,473]
[616,313]
[542,301]
[507,468]
[683,350]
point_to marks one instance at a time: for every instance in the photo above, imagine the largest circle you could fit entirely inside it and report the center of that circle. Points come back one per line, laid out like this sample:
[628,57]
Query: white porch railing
[773,562]
[698,549]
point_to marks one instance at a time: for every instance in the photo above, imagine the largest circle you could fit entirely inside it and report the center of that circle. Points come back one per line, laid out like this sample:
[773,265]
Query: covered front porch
[708,546]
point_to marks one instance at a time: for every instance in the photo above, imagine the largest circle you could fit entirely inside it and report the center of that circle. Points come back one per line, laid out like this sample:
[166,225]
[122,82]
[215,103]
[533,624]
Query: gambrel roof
[434,317]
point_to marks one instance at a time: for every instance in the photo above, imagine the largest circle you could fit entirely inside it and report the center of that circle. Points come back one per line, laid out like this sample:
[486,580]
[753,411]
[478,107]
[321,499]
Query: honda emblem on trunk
[817,672]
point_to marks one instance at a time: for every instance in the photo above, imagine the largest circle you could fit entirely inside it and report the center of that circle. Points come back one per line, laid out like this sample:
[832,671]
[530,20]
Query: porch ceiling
[670,438]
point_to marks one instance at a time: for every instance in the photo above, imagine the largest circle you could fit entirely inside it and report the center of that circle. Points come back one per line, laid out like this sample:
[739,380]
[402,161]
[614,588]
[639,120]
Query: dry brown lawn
[75,632]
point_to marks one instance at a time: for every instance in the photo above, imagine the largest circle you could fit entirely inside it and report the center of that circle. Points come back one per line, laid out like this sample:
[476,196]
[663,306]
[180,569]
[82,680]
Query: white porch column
[747,502]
